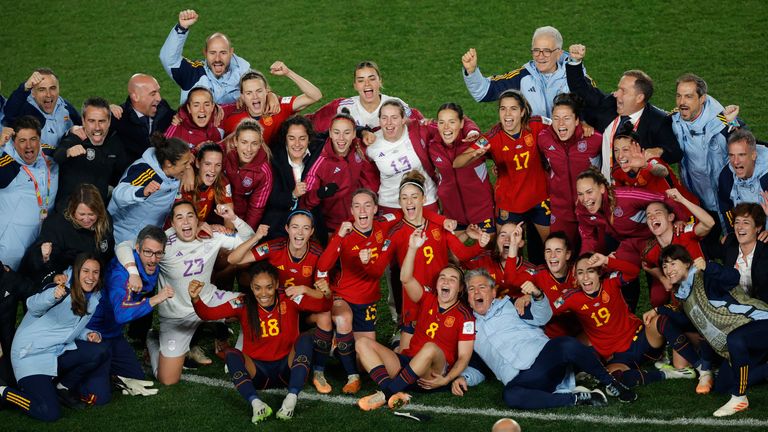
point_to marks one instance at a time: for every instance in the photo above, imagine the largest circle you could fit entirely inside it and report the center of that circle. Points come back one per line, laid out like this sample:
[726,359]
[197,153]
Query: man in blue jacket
[39,97]
[745,178]
[128,297]
[540,80]
[536,371]
[220,72]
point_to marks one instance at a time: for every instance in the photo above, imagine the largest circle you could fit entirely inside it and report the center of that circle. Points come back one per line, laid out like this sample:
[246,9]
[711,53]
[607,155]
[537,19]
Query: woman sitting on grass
[274,353]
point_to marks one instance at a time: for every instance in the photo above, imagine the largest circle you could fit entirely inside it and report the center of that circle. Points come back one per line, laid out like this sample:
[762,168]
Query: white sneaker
[289,405]
[260,411]
[736,404]
[663,361]
[197,355]
[671,372]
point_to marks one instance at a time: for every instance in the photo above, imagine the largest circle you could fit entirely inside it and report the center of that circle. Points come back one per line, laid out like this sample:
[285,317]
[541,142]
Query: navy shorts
[539,214]
[271,374]
[363,317]
[639,352]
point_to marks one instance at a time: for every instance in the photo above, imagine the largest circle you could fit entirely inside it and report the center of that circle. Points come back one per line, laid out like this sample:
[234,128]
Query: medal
[43,214]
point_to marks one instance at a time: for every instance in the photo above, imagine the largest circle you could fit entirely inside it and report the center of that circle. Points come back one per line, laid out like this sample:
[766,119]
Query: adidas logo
[179,253]
[584,307]
[505,148]
[532,90]
[551,148]
[381,154]
[438,159]
[355,247]
[337,169]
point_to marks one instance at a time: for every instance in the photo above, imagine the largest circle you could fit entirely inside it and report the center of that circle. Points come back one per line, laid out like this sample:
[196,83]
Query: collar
[749,255]
[296,165]
[635,116]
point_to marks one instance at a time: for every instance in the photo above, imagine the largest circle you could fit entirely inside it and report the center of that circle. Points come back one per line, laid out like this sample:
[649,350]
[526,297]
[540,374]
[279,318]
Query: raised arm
[412,287]
[242,254]
[310,93]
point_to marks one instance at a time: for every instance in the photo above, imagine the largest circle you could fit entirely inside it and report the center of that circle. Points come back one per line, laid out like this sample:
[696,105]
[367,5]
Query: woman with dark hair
[521,182]
[363,108]
[608,221]
[210,185]
[195,123]
[84,226]
[252,104]
[54,356]
[465,193]
[148,188]
[274,354]
[733,323]
[568,152]
[295,151]
[743,250]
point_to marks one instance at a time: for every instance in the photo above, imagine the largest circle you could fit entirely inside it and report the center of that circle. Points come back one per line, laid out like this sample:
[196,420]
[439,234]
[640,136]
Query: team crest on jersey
[529,140]
[386,245]
[379,237]
[605,297]
[283,308]
[247,181]
[618,212]
[436,233]
[103,245]
[267,121]
[306,271]
[262,250]
[559,302]
[450,321]
[581,146]
[90,154]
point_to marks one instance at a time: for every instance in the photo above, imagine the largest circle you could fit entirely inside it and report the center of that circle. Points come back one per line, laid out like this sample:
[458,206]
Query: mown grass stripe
[497,413]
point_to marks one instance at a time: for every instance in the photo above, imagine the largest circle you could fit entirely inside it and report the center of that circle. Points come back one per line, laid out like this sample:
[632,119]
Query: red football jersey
[605,318]
[689,240]
[430,258]
[521,182]
[445,328]
[353,284]
[292,270]
[205,200]
[269,124]
[279,327]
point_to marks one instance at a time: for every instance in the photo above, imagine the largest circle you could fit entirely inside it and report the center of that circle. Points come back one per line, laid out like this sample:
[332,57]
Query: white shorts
[176,333]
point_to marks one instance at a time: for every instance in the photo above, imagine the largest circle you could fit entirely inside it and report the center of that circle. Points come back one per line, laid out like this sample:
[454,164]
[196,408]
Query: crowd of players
[137,207]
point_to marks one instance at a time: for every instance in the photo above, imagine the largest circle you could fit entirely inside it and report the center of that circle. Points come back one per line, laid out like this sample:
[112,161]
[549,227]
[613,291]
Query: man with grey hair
[540,80]
[745,178]
[536,371]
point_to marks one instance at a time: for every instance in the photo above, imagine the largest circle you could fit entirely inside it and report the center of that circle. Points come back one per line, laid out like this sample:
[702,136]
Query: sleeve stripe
[143,177]
[5,160]
[507,75]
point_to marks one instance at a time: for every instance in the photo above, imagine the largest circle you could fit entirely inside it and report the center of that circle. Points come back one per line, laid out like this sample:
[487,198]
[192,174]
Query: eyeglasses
[148,253]
[544,51]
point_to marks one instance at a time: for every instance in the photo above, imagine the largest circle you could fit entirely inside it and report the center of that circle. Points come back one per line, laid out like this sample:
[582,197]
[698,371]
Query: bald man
[143,113]
[506,425]
[220,72]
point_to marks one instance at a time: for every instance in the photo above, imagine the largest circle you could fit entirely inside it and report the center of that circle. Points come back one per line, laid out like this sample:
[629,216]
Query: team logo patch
[90,154]
[386,245]
[581,146]
[247,182]
[262,250]
[285,100]
[103,245]
[529,140]
[605,297]
[379,237]
[559,302]
[468,328]
[436,233]
[618,212]
[283,308]
[267,121]
[450,321]
[306,271]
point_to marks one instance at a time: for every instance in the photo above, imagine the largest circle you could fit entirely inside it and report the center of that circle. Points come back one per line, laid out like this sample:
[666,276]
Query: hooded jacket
[251,185]
[733,191]
[191,133]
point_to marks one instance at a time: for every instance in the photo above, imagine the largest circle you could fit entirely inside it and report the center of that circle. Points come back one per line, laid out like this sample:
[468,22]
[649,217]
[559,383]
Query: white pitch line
[498,413]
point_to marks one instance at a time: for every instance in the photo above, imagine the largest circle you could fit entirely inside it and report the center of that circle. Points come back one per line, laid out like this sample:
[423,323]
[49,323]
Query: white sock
[59,386]
[289,403]
[353,377]
[153,346]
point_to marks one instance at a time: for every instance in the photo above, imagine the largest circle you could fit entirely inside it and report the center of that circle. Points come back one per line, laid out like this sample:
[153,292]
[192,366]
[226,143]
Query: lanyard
[43,208]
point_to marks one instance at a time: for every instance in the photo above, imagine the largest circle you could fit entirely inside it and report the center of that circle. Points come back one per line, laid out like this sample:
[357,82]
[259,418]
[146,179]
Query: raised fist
[187,17]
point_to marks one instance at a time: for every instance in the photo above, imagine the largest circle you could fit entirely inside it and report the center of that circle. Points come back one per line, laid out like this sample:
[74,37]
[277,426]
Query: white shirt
[744,266]
[362,116]
[393,160]
[187,261]
[297,168]
[608,135]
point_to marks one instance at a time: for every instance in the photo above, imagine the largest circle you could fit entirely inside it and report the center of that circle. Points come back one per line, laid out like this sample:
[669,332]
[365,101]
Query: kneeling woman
[274,354]
[54,356]
[733,323]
